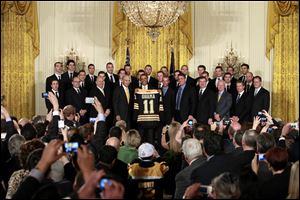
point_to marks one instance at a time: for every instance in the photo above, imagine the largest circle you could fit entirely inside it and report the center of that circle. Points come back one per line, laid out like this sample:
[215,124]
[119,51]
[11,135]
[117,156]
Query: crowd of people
[126,136]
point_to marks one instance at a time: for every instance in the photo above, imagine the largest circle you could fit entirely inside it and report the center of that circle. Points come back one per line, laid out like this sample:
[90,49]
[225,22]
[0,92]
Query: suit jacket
[60,101]
[242,108]
[212,84]
[224,105]
[190,81]
[49,79]
[105,100]
[89,83]
[250,90]
[134,83]
[187,103]
[121,106]
[260,102]
[241,78]
[169,105]
[206,105]
[75,99]
[114,84]
[232,89]
[183,178]
[153,82]
[66,82]
[215,166]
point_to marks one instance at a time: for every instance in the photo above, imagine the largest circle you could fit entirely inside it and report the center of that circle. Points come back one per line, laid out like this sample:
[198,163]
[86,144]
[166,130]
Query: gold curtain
[143,51]
[283,36]
[19,48]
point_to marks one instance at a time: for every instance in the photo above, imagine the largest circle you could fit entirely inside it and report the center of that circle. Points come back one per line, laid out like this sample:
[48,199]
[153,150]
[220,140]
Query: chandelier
[153,15]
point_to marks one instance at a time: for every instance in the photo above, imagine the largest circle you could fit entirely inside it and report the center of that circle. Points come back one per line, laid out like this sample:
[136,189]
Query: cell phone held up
[70,147]
[205,189]
[262,117]
[89,100]
[45,95]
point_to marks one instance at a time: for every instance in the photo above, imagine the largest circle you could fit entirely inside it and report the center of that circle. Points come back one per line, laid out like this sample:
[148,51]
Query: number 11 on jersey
[146,111]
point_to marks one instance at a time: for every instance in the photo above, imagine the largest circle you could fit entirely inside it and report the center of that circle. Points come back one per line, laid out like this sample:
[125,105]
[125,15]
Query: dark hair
[227,73]
[202,77]
[101,72]
[206,72]
[177,71]
[127,65]
[86,130]
[107,154]
[148,66]
[213,144]
[238,136]
[121,70]
[181,74]
[28,131]
[264,141]
[240,81]
[115,131]
[90,65]
[244,64]
[201,66]
[277,157]
[54,80]
[40,129]
[258,77]
[219,67]
[81,71]
[159,72]
[230,67]
[141,70]
[164,67]
[57,63]
[109,63]
[70,61]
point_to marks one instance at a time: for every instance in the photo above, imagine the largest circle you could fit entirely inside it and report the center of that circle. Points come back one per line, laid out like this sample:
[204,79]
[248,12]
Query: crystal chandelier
[153,14]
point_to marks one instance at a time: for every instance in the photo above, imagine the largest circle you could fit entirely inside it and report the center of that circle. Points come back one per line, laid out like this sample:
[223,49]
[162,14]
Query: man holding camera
[55,90]
[260,98]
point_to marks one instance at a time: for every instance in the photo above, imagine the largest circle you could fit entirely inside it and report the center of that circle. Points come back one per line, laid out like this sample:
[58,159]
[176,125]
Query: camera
[93,120]
[262,117]
[61,124]
[89,100]
[44,95]
[261,157]
[295,126]
[269,130]
[70,147]
[205,189]
[102,183]
[190,122]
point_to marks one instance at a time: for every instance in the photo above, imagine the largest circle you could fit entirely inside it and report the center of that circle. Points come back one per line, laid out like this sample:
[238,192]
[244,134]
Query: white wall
[217,23]
[87,26]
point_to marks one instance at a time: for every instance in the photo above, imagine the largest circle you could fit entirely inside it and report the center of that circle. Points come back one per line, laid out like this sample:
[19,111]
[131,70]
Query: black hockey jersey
[148,106]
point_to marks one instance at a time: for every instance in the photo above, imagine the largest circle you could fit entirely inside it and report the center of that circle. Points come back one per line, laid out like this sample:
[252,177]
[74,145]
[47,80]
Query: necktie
[92,78]
[56,94]
[255,93]
[228,88]
[59,77]
[200,93]
[71,75]
[248,87]
[78,91]
[82,85]
[219,96]
[127,94]
[178,98]
[111,79]
[238,98]
[244,78]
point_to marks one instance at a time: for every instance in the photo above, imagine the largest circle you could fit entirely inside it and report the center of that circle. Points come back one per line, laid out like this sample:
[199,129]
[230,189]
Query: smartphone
[261,156]
[89,100]
[262,117]
[269,130]
[295,126]
[102,183]
[45,95]
[93,120]
[205,189]
[70,147]
[61,124]
[190,122]
[3,135]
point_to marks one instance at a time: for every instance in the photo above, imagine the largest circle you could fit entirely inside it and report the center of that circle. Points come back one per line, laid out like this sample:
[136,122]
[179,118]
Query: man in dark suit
[151,81]
[189,80]
[260,98]
[133,80]
[201,69]
[121,74]
[229,85]
[101,91]
[123,102]
[144,83]
[60,97]
[90,78]
[219,76]
[160,76]
[76,97]
[249,87]
[224,102]
[231,71]
[206,102]
[185,100]
[168,95]
[58,69]
[241,103]
[174,80]
[82,76]
[67,77]
[194,156]
[110,76]
[245,69]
